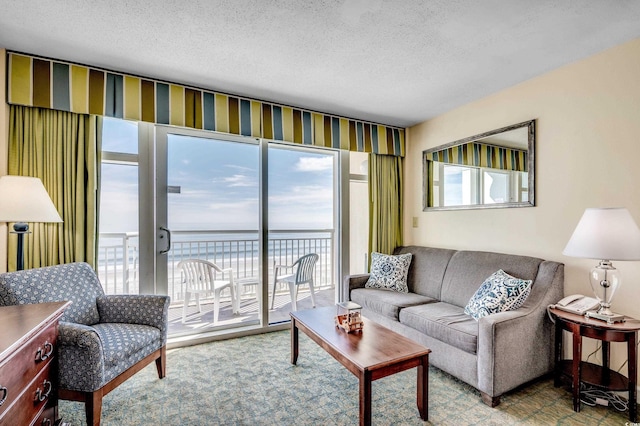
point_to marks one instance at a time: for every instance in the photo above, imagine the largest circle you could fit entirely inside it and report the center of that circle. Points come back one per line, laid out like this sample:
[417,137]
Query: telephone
[577,304]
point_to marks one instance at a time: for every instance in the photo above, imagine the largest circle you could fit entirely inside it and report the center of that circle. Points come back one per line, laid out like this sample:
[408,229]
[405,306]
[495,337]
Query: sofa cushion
[386,302]
[467,270]
[427,269]
[499,293]
[389,271]
[445,322]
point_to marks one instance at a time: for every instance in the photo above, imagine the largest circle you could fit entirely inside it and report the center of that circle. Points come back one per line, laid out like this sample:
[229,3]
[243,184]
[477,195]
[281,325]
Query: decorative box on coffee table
[349,316]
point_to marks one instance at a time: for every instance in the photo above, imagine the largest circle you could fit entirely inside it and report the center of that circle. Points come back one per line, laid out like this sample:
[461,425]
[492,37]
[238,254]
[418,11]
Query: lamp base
[20,228]
[610,319]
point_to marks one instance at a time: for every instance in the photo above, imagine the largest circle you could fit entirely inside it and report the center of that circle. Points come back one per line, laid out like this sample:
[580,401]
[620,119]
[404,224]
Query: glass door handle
[168,232]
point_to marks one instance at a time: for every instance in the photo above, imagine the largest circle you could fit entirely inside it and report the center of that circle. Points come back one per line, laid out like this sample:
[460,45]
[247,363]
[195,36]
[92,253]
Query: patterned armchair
[103,340]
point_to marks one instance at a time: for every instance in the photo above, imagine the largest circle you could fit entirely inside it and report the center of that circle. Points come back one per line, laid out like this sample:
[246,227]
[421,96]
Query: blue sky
[219,185]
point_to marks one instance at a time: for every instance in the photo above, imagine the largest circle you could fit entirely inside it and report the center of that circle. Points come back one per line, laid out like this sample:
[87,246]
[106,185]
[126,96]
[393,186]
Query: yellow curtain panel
[58,85]
[385,206]
[63,150]
[482,155]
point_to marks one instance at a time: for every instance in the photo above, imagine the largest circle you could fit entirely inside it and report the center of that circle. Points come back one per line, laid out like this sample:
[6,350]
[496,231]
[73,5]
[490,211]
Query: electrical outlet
[415,221]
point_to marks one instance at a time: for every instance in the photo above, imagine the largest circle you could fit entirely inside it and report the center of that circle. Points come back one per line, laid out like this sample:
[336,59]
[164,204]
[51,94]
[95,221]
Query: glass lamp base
[613,318]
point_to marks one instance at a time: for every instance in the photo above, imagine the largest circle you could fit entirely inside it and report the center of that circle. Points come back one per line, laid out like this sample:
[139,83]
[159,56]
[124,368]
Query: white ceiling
[395,62]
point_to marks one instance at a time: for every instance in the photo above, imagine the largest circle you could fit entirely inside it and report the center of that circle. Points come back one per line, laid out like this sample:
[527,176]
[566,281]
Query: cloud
[305,207]
[239,180]
[314,164]
[241,168]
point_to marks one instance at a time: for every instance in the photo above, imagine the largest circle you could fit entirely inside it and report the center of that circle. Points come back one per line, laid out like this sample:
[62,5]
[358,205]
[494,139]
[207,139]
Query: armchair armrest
[276,267]
[228,272]
[282,266]
[80,335]
[143,309]
[79,350]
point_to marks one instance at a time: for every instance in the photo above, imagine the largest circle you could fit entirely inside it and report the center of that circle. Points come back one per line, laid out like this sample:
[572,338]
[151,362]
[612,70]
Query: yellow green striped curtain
[483,155]
[63,150]
[54,84]
[385,208]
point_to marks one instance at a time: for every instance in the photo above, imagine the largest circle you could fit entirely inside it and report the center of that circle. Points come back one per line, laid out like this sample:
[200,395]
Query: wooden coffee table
[372,354]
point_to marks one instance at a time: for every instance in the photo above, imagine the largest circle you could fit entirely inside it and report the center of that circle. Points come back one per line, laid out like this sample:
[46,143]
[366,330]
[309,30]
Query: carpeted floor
[250,381]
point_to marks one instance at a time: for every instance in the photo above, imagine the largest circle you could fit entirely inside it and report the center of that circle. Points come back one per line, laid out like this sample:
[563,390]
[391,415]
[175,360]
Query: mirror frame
[531,141]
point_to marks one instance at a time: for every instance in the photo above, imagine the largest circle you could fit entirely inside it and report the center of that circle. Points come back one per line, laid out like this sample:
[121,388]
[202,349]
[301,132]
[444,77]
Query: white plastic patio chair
[199,279]
[303,274]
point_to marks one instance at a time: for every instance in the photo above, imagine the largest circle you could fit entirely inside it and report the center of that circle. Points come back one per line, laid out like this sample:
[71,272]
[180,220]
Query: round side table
[600,376]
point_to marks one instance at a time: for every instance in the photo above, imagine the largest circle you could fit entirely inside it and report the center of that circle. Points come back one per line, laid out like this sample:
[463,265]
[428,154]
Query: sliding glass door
[302,207]
[241,203]
[207,198]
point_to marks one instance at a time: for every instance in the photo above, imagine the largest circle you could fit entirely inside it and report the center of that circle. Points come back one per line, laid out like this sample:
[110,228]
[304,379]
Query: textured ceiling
[395,62]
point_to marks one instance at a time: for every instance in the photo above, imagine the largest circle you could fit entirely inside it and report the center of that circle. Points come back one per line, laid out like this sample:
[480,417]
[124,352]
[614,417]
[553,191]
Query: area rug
[250,381]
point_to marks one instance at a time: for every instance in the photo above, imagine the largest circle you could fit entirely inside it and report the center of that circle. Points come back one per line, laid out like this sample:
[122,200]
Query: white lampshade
[24,199]
[605,233]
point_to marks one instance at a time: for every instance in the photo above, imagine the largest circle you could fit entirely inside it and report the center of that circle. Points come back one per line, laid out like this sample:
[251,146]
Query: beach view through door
[208,209]
[170,195]
[302,208]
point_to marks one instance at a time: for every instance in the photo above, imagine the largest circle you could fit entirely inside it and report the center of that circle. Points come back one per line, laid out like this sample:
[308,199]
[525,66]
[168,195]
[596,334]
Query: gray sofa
[495,354]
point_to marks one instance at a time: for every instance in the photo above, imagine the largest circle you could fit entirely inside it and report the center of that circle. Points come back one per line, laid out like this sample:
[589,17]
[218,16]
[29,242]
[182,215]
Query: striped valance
[53,84]
[482,155]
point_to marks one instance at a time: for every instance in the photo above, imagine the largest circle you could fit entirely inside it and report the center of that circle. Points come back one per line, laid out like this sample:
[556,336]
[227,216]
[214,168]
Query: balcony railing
[118,256]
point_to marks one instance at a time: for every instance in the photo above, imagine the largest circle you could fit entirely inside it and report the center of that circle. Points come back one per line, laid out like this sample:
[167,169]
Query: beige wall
[587,155]
[4,134]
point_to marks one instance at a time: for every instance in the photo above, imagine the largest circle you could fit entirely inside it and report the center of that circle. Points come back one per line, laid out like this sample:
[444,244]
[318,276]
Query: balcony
[118,269]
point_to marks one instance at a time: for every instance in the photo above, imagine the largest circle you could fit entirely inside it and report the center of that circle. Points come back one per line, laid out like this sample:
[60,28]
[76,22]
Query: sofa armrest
[79,350]
[354,281]
[517,346]
[143,309]
[508,348]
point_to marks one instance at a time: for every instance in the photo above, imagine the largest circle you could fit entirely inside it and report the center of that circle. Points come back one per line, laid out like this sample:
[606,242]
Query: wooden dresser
[28,364]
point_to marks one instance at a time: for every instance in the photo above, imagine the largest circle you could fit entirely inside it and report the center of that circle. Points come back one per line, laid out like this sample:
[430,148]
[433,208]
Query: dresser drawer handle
[4,393]
[40,395]
[42,355]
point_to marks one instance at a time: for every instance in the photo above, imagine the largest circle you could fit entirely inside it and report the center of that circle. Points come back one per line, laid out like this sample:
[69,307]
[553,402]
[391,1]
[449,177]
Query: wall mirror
[491,170]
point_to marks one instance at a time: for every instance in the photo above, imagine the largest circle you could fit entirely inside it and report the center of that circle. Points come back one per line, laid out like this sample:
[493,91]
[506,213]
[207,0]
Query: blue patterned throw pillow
[389,272]
[499,293]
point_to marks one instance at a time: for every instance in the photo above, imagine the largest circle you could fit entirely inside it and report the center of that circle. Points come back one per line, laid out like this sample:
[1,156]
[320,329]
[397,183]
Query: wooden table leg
[365,398]
[632,362]
[558,354]
[606,356]
[294,342]
[576,369]
[423,388]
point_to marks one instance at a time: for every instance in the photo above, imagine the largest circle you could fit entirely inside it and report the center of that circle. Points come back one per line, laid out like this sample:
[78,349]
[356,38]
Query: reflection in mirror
[490,170]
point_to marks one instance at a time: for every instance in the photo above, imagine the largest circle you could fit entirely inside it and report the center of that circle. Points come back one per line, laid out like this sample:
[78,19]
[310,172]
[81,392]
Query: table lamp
[606,234]
[24,199]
